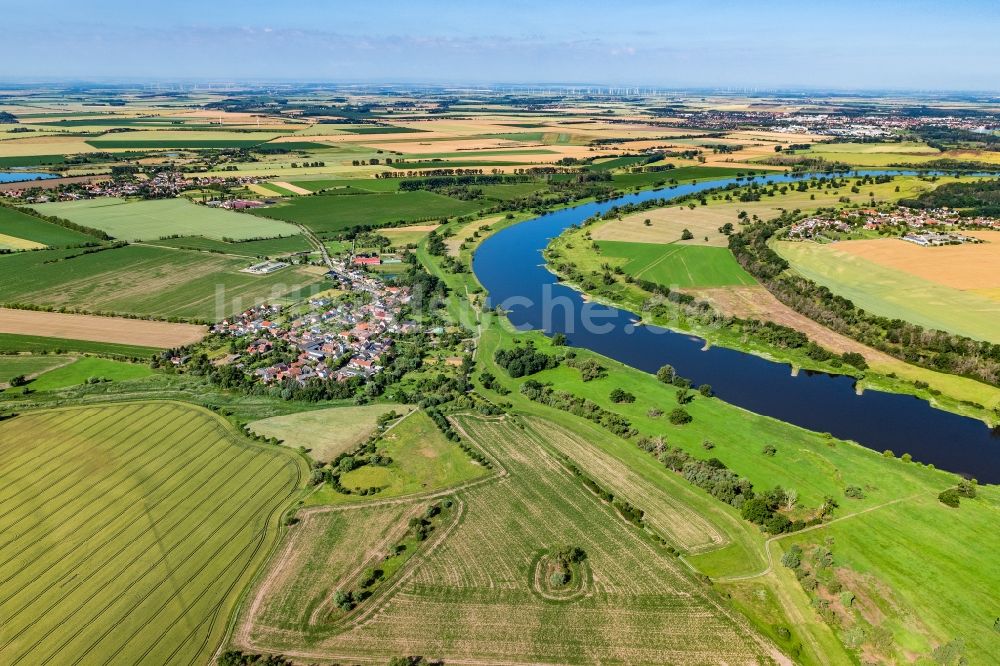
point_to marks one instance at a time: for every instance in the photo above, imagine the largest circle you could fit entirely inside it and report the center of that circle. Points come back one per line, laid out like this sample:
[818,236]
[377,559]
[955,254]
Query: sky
[873,44]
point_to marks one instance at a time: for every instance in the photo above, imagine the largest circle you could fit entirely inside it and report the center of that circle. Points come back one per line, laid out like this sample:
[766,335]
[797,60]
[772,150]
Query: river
[509,264]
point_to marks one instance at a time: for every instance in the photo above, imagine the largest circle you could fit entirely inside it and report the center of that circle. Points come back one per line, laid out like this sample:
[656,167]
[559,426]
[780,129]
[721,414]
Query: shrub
[855,359]
[769,450]
[679,417]
[620,396]
[777,524]
[705,390]
[966,488]
[793,558]
[524,361]
[949,497]
[854,492]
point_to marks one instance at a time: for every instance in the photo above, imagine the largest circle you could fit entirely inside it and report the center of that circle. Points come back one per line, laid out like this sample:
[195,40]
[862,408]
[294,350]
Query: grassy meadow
[27,365]
[250,249]
[422,461]
[158,515]
[86,369]
[326,433]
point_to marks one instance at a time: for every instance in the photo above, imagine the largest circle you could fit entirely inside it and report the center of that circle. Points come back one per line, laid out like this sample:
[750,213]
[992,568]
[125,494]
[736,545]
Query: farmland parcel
[149,220]
[136,555]
[144,281]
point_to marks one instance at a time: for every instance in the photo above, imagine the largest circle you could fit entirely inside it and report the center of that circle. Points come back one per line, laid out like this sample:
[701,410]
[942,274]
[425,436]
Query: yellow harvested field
[44,145]
[15,243]
[291,188]
[965,267]
[444,144]
[99,329]
[413,227]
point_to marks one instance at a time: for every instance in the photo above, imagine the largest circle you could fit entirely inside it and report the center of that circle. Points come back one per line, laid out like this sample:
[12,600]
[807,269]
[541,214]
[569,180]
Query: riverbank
[958,395]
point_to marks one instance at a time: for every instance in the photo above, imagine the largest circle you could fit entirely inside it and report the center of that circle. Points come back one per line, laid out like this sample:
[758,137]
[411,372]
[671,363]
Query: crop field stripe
[100,528]
[53,483]
[44,479]
[140,455]
[150,568]
[28,571]
[79,583]
[80,573]
[44,452]
[671,251]
[208,560]
[112,537]
[257,541]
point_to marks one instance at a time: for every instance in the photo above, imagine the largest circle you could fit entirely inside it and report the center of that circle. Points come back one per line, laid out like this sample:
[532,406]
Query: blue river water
[17,176]
[509,264]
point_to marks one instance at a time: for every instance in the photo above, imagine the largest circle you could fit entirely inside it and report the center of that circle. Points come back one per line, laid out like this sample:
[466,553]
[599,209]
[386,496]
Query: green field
[130,531]
[325,214]
[325,433]
[677,265]
[12,366]
[31,160]
[956,594]
[513,191]
[10,342]
[617,162]
[266,247]
[149,220]
[680,173]
[476,596]
[892,293]
[351,185]
[21,225]
[144,280]
[89,368]
[452,164]
[143,144]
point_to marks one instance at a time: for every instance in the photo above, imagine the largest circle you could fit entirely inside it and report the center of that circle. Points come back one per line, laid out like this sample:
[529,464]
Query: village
[938,224]
[161,185]
[336,338]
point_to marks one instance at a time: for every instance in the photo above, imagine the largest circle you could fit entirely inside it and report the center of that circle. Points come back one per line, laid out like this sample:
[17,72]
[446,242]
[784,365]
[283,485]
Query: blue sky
[883,44]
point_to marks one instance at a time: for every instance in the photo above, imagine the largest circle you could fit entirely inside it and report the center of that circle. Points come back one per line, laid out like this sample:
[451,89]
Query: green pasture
[677,265]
